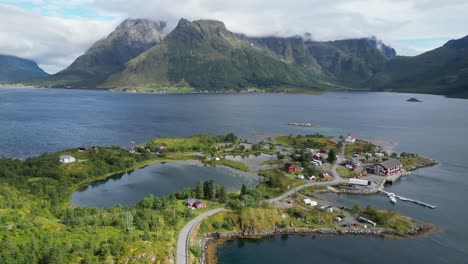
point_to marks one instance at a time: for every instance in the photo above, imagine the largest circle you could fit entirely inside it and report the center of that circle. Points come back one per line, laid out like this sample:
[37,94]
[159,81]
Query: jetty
[405,199]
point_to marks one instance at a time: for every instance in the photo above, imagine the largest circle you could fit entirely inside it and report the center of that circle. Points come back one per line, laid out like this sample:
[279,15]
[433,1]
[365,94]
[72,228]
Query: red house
[288,167]
[194,203]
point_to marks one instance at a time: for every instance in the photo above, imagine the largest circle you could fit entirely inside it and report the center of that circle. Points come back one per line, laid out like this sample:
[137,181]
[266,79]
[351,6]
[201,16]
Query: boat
[300,124]
[393,199]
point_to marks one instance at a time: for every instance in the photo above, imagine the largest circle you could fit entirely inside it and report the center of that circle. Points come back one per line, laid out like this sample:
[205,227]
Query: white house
[350,139]
[310,202]
[67,159]
[300,177]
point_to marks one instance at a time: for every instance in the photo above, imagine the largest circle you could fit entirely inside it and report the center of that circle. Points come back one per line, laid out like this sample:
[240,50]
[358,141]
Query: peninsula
[180,227]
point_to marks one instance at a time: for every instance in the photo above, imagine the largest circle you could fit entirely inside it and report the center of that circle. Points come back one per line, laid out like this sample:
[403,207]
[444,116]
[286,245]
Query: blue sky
[65,9]
[55,32]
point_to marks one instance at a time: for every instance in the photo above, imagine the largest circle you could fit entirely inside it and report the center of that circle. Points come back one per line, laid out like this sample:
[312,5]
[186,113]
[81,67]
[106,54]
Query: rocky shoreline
[210,242]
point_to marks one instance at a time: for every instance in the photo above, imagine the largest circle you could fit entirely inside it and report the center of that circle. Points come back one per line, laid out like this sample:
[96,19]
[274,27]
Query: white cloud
[53,42]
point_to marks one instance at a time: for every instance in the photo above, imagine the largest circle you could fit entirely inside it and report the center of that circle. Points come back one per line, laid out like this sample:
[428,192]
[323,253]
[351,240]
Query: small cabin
[288,167]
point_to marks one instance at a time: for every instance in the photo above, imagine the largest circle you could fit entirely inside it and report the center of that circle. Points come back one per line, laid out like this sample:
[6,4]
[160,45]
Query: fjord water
[35,121]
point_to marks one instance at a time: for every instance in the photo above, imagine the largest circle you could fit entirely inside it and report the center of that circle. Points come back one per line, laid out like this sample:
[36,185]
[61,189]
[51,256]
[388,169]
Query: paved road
[182,241]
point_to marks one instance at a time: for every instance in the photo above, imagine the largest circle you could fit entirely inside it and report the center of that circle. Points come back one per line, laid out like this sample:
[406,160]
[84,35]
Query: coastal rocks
[414,100]
[214,239]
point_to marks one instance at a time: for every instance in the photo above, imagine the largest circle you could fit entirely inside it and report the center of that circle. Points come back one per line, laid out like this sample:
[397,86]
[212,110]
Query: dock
[405,199]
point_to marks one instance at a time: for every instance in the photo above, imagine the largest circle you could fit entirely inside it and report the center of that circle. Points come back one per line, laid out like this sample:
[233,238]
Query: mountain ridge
[13,68]
[205,55]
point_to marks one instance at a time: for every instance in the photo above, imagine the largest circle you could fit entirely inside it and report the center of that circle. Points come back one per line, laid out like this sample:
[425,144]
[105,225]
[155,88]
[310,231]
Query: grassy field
[309,141]
[194,143]
[415,162]
[347,173]
[230,163]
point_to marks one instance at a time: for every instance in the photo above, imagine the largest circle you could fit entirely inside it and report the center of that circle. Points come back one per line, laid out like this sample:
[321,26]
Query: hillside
[205,55]
[440,71]
[17,69]
[109,55]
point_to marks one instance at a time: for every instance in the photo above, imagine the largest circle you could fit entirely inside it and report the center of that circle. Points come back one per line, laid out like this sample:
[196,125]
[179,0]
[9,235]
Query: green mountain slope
[14,69]
[205,55]
[441,71]
[109,55]
[352,61]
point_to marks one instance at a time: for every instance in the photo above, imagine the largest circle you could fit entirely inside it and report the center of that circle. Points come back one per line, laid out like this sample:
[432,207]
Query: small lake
[158,179]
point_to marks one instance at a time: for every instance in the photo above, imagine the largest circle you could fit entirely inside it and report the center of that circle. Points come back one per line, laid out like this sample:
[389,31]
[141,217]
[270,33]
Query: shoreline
[211,242]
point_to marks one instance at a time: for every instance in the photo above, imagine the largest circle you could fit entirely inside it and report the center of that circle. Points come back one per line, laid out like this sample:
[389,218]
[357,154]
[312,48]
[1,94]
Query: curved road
[182,241]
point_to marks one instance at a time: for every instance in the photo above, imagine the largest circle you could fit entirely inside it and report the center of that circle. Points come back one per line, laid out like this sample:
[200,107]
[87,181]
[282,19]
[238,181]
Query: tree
[244,190]
[230,137]
[209,189]
[222,194]
[199,190]
[331,156]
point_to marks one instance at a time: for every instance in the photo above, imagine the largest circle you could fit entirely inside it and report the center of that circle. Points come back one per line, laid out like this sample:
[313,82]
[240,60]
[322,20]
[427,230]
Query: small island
[414,100]
[293,171]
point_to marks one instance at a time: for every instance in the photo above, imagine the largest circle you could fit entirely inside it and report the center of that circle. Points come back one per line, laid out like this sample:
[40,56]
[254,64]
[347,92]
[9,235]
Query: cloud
[53,42]
[54,32]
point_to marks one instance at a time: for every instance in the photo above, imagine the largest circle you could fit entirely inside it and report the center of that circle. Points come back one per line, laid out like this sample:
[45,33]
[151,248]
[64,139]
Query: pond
[158,179]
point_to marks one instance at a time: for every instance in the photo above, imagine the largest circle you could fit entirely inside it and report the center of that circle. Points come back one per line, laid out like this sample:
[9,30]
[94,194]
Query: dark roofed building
[388,167]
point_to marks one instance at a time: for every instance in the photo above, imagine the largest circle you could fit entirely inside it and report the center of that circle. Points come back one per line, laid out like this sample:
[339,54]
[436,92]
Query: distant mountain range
[14,69]
[205,55]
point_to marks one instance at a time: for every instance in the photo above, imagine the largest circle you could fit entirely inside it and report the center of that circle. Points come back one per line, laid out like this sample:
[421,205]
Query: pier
[405,199]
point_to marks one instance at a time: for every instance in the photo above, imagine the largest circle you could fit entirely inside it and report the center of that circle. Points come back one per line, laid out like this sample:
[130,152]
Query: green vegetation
[360,146]
[230,163]
[203,143]
[413,161]
[347,173]
[315,141]
[387,219]
[16,69]
[269,162]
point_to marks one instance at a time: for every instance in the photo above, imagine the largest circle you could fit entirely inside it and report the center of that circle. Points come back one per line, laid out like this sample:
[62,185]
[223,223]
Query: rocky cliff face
[108,55]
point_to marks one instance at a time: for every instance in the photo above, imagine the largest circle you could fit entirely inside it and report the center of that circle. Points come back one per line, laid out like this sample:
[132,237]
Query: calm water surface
[36,121]
[158,179]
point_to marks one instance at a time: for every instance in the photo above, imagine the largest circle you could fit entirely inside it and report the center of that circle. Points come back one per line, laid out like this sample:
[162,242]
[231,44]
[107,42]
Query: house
[288,167]
[194,203]
[325,175]
[388,167]
[350,139]
[310,202]
[300,177]
[380,155]
[312,178]
[67,159]
[200,204]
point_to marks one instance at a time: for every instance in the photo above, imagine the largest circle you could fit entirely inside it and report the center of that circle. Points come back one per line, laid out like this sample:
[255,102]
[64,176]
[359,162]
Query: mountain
[440,71]
[14,69]
[205,55]
[351,61]
[109,55]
